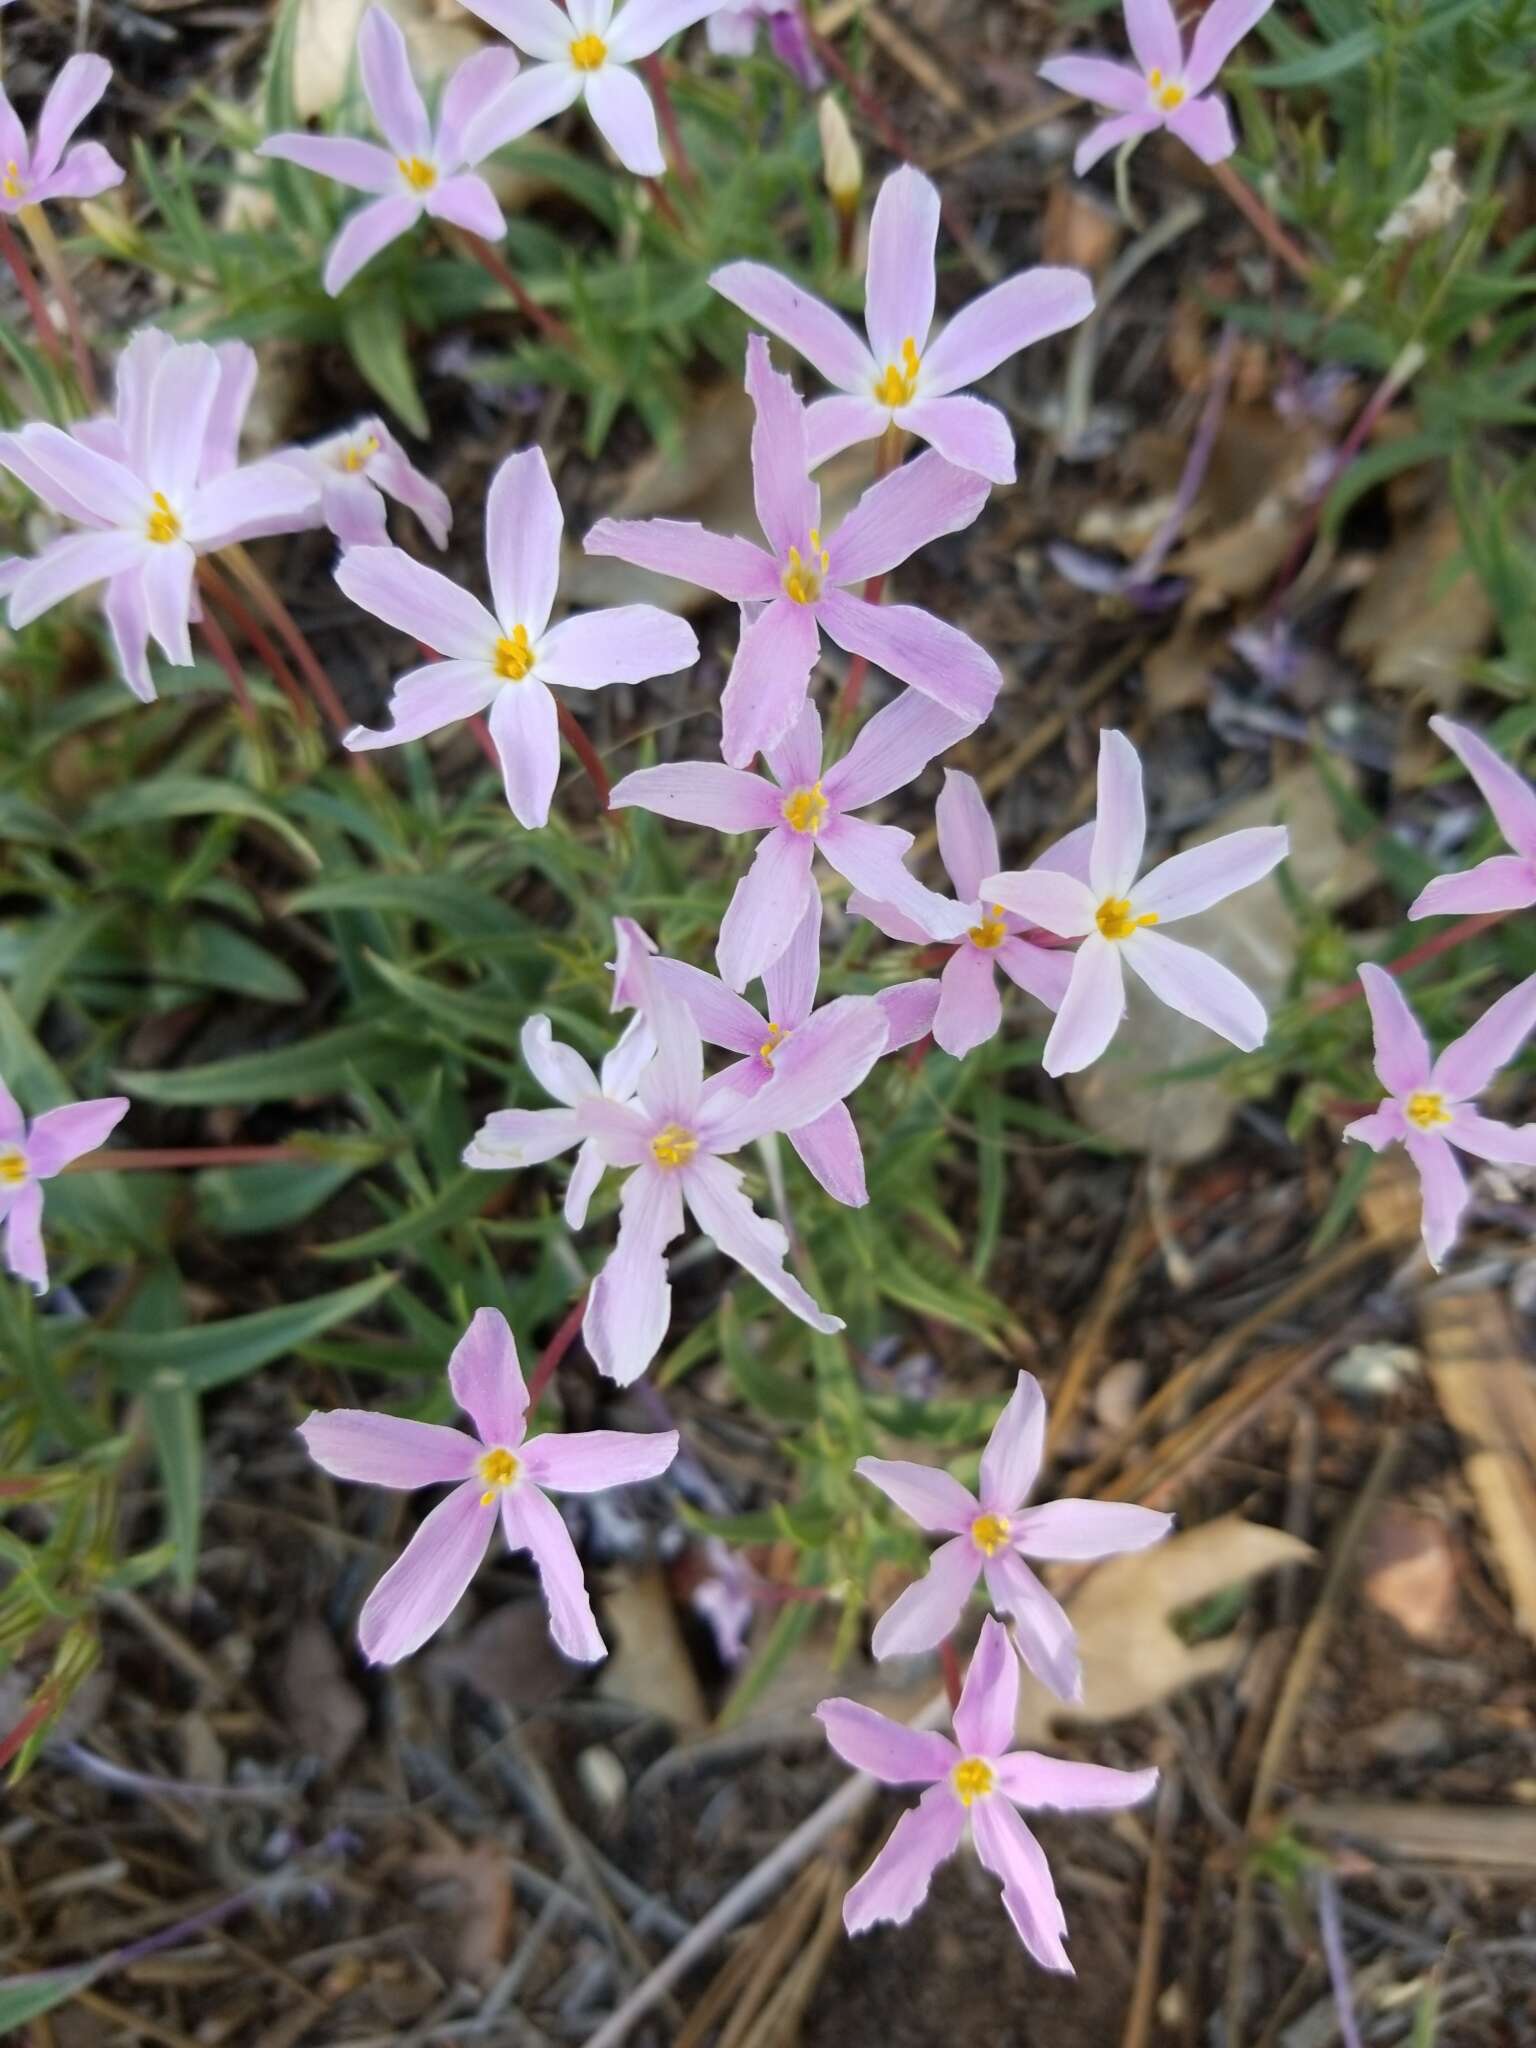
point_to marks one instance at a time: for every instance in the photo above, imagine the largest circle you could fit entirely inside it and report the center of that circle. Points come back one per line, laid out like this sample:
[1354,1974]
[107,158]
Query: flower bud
[842,165]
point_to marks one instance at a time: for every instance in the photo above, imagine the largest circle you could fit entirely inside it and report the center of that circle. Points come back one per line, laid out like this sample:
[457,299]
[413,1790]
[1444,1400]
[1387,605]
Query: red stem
[951,1664]
[133,1161]
[42,1706]
[887,458]
[587,755]
[656,73]
[250,627]
[1443,942]
[549,324]
[27,285]
[482,733]
[1259,217]
[556,1349]
[218,642]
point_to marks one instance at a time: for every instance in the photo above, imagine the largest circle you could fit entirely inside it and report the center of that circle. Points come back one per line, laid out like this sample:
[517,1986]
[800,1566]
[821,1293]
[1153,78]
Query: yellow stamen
[13,184]
[973,1778]
[162,524]
[417,172]
[588,52]
[770,1045]
[991,932]
[13,1166]
[1116,920]
[673,1146]
[1168,96]
[990,1532]
[1426,1110]
[514,657]
[802,579]
[497,1468]
[898,384]
[806,810]
[360,453]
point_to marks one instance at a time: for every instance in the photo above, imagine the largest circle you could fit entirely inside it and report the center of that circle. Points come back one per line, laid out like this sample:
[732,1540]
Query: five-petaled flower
[355,472]
[802,811]
[48,168]
[899,377]
[1114,914]
[1163,88]
[1430,1107]
[420,172]
[797,585]
[506,660]
[156,485]
[500,1471]
[671,1141]
[970,1008]
[991,1533]
[35,1152]
[585,54]
[979,1779]
[1505,881]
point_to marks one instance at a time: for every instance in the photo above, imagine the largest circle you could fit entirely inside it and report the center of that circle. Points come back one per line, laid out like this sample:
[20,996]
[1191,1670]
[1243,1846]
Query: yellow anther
[497,1468]
[1116,920]
[973,1778]
[673,1146]
[770,1045]
[991,932]
[1426,1110]
[990,1532]
[162,524]
[360,453]
[898,381]
[802,579]
[417,172]
[588,52]
[1168,96]
[13,1166]
[13,184]
[514,657]
[806,810]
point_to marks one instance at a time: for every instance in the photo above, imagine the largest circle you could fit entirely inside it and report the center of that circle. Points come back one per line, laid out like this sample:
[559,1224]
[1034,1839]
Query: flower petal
[537,95]
[513,1138]
[909,1009]
[930,1609]
[24,1253]
[1084,1529]
[536,26]
[989,1699]
[967,836]
[829,1149]
[1099,79]
[1486,1138]
[166,583]
[592,1460]
[681,548]
[769,679]
[1009,317]
[1091,1009]
[559,1071]
[966,432]
[1108,135]
[1044,972]
[1197,986]
[472,88]
[1205,126]
[247,504]
[1507,881]
[60,1135]
[1203,875]
[893,749]
[723,1212]
[73,94]
[13,1125]
[426,1582]
[531,1522]
[789,983]
[1042,1631]
[1383,1127]
[702,793]
[916,648]
[86,171]
[1011,1460]
[525,726]
[899,280]
[629,644]
[885,1749]
[391,90]
[466,201]
[897,1882]
[128,623]
[1470,1062]
[1507,793]
[896,924]
[1446,1193]
[1154,36]
[1120,826]
[795,759]
[833,424]
[523,526]
[1219,31]
[427,699]
[870,857]
[487,1380]
[631,1303]
[363,165]
[76,479]
[766,910]
[970,1007]
[932,1497]
[903,513]
[1052,1783]
[622,113]
[1047,897]
[788,503]
[825,339]
[1006,1847]
[422,602]
[364,234]
[1401,1057]
[814,1068]
[387,1450]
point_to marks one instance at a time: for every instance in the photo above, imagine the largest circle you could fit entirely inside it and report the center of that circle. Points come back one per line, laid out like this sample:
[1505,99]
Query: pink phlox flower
[979,1779]
[355,472]
[506,660]
[422,171]
[35,1152]
[1506,881]
[584,55]
[499,1472]
[797,587]
[48,168]
[672,1142]
[902,375]
[1430,1108]
[1164,88]
[969,1008]
[732,32]
[156,484]
[1113,914]
[803,809]
[990,1533]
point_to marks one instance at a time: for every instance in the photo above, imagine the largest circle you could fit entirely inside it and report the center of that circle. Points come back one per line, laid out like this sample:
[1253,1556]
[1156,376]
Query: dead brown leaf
[1411,627]
[479,1900]
[1078,229]
[1408,1572]
[648,1662]
[323,1708]
[508,1656]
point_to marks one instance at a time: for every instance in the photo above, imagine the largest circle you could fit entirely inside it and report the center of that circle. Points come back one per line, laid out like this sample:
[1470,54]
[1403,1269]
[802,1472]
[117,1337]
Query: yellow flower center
[1167,94]
[417,172]
[991,932]
[514,657]
[588,52]
[990,1532]
[802,579]
[13,1166]
[162,524]
[673,1146]
[973,1778]
[497,1468]
[898,384]
[806,810]
[1116,920]
[13,184]
[770,1045]
[360,454]
[1426,1110]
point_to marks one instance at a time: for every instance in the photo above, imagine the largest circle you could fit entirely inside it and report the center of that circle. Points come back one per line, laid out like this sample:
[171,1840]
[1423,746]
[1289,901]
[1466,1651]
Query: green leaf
[375,332]
[462,1197]
[175,1425]
[760,1384]
[249,1201]
[457,906]
[26,1998]
[324,1065]
[162,797]
[212,1354]
[211,955]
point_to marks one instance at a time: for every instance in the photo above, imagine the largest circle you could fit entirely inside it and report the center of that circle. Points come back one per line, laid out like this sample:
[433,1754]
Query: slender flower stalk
[45,243]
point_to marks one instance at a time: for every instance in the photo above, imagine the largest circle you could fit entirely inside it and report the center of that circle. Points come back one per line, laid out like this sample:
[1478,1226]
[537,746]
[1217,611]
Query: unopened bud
[108,221]
[842,165]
